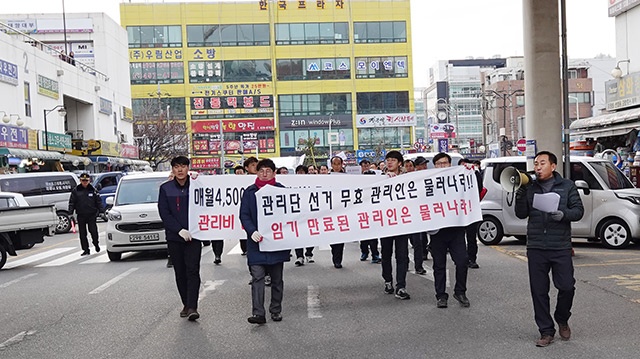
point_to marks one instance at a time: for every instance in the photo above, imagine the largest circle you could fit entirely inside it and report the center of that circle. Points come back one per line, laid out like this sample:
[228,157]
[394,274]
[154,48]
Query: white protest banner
[214,201]
[410,203]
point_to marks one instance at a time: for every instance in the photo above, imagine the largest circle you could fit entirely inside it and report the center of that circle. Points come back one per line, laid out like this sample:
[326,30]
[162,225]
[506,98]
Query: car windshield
[143,190]
[611,175]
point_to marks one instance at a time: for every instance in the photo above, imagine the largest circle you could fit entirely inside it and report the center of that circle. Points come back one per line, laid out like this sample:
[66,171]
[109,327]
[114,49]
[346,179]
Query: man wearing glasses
[86,202]
[450,239]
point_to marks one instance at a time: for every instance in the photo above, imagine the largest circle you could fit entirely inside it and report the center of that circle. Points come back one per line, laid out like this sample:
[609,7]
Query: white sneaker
[310,259]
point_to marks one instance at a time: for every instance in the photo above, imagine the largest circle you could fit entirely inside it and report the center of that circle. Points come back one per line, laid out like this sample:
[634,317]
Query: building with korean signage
[53,102]
[267,77]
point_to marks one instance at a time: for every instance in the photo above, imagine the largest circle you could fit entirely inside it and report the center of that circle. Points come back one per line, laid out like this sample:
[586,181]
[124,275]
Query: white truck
[22,226]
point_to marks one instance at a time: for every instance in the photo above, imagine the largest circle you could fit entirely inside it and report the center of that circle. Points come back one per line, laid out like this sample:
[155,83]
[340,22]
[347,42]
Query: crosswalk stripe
[37,257]
[62,260]
[100,258]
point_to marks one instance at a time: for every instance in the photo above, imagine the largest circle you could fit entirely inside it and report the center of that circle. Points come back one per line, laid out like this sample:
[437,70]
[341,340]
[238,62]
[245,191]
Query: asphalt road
[65,306]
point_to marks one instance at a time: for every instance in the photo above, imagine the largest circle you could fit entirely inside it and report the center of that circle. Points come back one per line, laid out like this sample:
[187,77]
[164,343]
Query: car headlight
[114,215]
[633,199]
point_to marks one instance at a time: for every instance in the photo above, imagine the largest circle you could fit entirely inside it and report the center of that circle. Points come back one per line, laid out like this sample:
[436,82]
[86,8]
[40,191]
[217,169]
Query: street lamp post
[577,106]
[62,112]
[504,95]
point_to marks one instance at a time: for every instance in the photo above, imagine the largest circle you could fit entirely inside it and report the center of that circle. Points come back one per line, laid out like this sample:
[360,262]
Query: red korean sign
[128,151]
[213,126]
[205,162]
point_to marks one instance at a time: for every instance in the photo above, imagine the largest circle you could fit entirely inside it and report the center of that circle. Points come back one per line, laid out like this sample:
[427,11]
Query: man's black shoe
[184,312]
[169,263]
[192,315]
[97,248]
[85,253]
[276,317]
[337,265]
[217,260]
[257,319]
[441,303]
[473,265]
[464,301]
[421,271]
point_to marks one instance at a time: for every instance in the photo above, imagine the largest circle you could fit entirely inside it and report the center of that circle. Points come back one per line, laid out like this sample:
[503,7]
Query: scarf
[259,183]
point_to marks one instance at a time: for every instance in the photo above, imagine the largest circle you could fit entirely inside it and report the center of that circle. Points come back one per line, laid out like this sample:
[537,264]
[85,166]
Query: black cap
[394,154]
[85,175]
[420,161]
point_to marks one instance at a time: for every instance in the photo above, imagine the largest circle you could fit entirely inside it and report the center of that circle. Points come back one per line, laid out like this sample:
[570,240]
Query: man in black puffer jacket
[549,245]
[86,202]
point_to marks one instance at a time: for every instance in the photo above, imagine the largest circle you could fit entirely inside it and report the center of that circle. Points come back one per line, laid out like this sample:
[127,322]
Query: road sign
[522,144]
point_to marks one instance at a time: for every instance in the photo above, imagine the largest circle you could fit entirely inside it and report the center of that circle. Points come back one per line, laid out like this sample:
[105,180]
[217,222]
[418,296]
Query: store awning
[117,160]
[24,153]
[610,124]
[71,158]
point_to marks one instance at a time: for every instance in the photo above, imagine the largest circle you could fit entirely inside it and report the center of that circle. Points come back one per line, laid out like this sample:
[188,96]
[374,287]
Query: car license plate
[144,237]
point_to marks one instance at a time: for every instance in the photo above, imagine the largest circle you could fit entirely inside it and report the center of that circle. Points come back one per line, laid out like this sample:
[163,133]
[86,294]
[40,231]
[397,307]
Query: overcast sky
[442,29]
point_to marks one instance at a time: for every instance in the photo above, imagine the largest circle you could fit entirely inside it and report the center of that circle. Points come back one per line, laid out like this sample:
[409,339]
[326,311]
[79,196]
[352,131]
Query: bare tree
[159,139]
[311,151]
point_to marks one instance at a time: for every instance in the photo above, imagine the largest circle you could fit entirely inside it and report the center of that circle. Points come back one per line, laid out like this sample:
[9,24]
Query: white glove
[557,215]
[257,237]
[185,235]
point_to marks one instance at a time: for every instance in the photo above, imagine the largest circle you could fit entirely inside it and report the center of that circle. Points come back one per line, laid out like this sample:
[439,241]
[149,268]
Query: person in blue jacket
[261,262]
[184,250]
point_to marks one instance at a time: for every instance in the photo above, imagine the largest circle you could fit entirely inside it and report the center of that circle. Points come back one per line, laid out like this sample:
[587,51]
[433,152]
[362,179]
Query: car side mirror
[583,186]
[109,201]
[98,186]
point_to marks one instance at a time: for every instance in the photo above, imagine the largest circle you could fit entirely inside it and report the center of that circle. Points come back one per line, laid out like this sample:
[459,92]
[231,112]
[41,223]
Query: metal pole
[64,29]
[221,148]
[329,135]
[565,91]
[504,123]
[46,133]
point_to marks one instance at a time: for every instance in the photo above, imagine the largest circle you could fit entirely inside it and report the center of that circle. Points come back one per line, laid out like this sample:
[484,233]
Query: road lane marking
[236,249]
[209,286]
[62,261]
[4,285]
[313,302]
[100,258]
[16,339]
[510,253]
[37,257]
[112,281]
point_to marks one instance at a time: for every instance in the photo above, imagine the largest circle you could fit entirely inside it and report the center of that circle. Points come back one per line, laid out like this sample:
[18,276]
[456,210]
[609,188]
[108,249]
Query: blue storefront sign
[8,73]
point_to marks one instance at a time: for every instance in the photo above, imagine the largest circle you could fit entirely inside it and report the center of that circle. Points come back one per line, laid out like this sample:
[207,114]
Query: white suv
[134,222]
[611,203]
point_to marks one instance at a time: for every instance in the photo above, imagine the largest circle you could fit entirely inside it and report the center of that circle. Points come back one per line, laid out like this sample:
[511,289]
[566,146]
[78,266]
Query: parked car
[22,225]
[43,188]
[611,203]
[134,222]
[106,183]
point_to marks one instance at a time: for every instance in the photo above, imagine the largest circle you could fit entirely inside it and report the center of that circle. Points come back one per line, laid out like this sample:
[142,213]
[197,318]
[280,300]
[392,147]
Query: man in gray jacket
[549,245]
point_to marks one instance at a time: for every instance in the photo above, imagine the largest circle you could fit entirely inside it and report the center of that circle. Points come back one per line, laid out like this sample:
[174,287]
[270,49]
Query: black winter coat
[85,201]
[542,231]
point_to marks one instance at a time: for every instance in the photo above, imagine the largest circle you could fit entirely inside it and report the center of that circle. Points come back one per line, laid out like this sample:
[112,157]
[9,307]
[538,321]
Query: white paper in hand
[546,202]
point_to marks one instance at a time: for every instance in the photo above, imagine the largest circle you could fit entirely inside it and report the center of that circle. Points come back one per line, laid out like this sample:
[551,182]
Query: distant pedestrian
[85,201]
[337,250]
[184,250]
[262,262]
[549,245]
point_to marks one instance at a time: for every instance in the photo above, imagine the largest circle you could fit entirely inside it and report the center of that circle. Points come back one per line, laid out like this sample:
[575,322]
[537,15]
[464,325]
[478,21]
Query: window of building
[154,36]
[312,33]
[382,102]
[228,35]
[27,99]
[583,97]
[314,104]
[381,67]
[145,109]
[380,31]
[156,72]
[313,69]
[387,137]
[205,71]
[229,71]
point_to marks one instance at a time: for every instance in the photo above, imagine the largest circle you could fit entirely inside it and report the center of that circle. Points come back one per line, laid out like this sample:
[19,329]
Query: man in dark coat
[86,202]
[549,245]
[261,263]
[184,250]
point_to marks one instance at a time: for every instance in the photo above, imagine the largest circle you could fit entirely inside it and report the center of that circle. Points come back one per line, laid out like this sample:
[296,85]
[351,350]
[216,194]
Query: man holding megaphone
[549,242]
